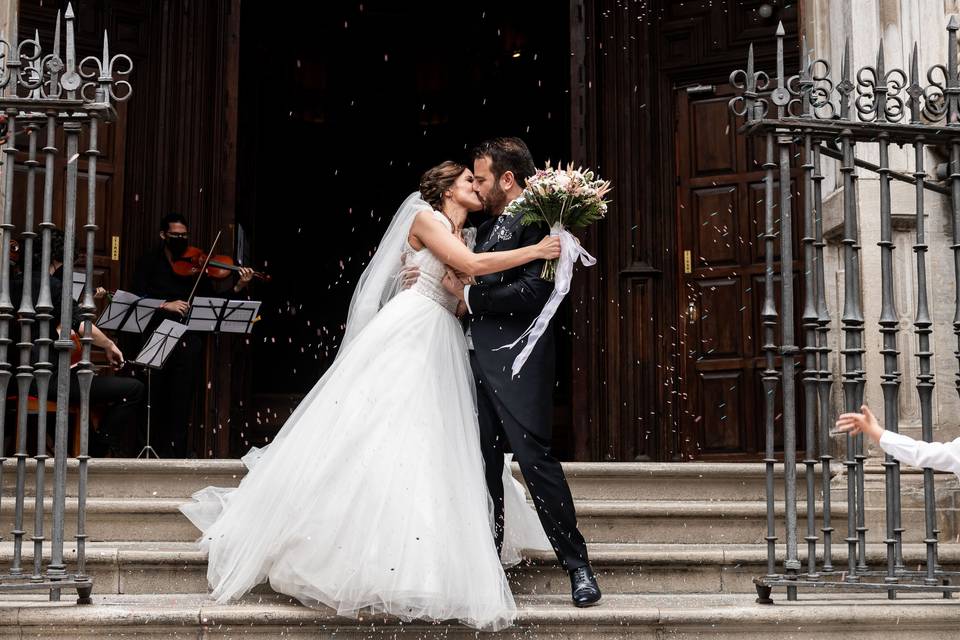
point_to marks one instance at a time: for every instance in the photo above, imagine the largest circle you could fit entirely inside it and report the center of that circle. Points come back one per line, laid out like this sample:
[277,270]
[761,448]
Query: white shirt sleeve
[466,298]
[942,456]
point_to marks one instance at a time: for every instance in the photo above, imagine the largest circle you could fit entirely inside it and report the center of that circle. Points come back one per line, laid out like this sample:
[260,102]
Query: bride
[372,496]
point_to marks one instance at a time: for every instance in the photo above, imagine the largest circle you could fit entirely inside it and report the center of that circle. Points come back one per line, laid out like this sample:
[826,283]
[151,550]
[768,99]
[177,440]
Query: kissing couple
[387,489]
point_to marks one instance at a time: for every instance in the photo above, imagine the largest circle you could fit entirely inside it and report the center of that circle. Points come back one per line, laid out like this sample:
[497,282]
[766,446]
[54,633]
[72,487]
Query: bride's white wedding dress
[372,497]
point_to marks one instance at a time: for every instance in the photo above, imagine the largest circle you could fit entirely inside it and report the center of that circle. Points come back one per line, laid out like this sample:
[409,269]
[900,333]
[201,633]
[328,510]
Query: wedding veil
[380,280]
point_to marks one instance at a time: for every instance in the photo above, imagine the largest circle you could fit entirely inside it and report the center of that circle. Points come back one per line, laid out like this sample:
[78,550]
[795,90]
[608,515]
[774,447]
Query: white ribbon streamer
[570,251]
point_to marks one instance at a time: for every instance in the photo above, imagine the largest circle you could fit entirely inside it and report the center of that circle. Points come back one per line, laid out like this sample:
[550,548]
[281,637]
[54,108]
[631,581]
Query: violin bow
[204,268]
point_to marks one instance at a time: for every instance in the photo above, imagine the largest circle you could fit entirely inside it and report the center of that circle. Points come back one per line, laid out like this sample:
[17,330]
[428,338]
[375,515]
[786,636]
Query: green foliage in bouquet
[561,199]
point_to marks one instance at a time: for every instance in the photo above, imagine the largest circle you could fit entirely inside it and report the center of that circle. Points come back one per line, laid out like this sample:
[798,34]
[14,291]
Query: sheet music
[160,344]
[221,314]
[128,312]
[79,280]
[204,313]
[239,315]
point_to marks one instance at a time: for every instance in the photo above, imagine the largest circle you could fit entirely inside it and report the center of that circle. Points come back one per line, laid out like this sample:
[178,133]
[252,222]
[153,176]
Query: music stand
[79,282]
[221,315]
[217,316]
[154,354]
[128,312]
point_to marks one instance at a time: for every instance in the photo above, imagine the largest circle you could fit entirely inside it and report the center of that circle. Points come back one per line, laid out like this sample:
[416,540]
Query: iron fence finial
[56,37]
[71,79]
[914,90]
[846,86]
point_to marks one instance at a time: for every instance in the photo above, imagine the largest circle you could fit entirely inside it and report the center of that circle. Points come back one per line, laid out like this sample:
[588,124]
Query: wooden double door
[722,253]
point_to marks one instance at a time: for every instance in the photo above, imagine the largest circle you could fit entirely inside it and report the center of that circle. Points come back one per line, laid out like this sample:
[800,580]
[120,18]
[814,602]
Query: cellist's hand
[176,306]
[114,355]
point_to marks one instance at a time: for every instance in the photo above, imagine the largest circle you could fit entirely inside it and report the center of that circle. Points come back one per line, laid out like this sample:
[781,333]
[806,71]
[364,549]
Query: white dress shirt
[942,456]
[466,301]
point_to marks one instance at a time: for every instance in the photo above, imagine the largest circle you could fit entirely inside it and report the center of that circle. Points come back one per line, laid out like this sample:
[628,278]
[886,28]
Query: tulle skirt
[372,497]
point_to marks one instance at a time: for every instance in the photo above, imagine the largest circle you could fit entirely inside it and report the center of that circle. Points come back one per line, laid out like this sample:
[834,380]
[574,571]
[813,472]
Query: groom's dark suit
[516,413]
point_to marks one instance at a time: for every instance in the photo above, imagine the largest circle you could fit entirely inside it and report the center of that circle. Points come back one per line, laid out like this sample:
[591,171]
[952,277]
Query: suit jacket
[502,306]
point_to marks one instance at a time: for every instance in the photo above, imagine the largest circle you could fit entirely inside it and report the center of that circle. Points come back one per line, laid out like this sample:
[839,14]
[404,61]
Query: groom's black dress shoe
[586,592]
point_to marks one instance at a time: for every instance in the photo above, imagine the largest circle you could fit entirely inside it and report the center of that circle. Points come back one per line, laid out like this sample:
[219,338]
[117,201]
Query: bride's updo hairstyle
[437,180]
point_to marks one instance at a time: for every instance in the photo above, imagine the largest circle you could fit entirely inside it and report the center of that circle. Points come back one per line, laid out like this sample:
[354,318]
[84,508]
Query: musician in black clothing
[174,386]
[118,397]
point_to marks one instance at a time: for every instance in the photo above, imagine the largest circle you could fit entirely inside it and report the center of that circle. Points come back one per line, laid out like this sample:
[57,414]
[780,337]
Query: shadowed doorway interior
[342,107]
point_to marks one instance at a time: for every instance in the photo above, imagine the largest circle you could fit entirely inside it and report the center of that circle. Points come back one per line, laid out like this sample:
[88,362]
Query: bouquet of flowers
[561,198]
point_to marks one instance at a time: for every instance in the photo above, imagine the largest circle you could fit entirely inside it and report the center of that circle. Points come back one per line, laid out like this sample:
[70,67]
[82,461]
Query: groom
[516,413]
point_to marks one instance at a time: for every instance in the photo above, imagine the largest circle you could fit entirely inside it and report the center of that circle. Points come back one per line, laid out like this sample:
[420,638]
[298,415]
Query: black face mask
[177,246]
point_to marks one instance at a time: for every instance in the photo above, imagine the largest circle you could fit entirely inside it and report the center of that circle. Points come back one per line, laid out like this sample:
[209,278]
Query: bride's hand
[548,248]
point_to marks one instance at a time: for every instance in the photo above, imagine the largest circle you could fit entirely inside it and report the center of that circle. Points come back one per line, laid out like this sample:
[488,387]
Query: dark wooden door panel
[712,154]
[718,333]
[717,226]
[724,396]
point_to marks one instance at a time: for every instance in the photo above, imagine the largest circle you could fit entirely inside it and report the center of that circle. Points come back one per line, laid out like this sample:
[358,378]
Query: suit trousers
[500,432]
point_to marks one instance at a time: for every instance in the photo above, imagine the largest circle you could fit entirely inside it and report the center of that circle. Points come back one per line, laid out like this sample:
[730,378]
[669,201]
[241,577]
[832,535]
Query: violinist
[156,276]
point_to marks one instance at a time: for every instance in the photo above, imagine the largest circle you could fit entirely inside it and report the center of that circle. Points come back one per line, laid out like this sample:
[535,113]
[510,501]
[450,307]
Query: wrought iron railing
[46,94]
[882,106]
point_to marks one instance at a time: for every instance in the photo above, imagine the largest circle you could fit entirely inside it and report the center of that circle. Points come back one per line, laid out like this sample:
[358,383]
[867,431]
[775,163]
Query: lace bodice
[432,270]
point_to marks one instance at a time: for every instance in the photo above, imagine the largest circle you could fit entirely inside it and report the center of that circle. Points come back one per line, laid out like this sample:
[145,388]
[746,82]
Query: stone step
[946,492]
[602,521]
[143,568]
[180,616]
[619,521]
[125,478]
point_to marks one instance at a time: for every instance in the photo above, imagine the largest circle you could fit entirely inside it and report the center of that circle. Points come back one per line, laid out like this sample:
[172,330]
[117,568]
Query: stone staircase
[675,546]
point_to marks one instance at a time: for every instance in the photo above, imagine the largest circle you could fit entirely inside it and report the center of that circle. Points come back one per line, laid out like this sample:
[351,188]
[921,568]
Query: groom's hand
[464,278]
[453,284]
[409,277]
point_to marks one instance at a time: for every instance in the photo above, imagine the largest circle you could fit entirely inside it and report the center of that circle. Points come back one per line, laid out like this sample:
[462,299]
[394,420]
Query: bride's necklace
[453,226]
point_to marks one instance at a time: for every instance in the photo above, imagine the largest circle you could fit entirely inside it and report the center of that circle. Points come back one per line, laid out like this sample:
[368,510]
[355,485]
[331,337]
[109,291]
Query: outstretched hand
[865,422]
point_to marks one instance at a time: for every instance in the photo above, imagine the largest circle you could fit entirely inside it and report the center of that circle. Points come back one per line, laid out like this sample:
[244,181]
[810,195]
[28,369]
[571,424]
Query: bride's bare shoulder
[426,217]
[421,222]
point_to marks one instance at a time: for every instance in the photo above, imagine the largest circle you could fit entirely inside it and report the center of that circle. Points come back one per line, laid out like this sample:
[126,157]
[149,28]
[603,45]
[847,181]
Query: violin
[195,261]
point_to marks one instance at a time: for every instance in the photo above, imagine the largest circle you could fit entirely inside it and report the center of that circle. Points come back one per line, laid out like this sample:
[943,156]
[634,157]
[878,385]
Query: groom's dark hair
[507,154]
